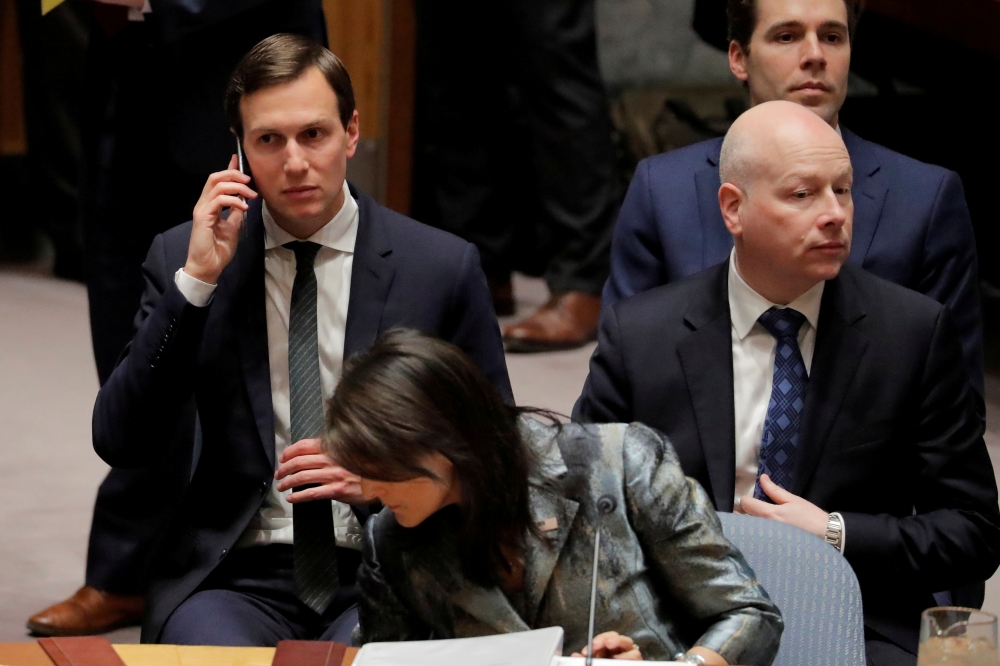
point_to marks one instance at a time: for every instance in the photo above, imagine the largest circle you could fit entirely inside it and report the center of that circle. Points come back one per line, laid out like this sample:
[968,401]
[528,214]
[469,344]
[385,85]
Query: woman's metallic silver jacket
[667,576]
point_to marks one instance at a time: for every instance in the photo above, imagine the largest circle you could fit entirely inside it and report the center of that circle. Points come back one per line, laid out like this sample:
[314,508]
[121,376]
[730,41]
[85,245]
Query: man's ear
[353,132]
[730,199]
[738,61]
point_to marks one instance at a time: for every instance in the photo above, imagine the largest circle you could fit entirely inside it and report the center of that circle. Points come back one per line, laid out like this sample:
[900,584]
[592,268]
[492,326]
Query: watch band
[689,658]
[834,531]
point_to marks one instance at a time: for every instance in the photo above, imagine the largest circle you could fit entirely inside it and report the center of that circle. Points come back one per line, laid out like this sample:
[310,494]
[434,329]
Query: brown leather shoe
[503,297]
[89,611]
[567,321]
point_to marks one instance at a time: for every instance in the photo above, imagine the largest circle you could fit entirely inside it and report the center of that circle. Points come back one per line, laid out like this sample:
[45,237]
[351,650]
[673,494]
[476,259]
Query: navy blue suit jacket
[911,227]
[404,274]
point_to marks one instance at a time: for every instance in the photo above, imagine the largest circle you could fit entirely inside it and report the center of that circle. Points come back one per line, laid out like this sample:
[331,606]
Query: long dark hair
[410,395]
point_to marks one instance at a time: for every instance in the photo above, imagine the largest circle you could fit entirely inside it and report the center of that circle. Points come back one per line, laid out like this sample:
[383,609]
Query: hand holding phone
[215,235]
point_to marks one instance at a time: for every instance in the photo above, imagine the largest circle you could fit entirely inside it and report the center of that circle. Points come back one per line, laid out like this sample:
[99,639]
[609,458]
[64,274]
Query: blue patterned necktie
[314,540]
[788,392]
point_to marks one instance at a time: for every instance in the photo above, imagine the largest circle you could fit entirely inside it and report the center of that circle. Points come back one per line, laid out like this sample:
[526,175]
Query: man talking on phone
[251,309]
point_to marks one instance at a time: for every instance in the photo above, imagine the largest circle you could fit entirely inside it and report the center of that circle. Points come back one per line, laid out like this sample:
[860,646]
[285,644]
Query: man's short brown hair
[283,58]
[742,19]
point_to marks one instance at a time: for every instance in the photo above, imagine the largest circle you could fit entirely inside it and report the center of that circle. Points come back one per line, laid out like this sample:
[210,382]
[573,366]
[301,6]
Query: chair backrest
[811,583]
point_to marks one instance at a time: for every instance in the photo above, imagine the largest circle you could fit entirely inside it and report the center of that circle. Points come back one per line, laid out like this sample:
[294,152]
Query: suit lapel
[437,562]
[707,361]
[440,561]
[490,605]
[716,239]
[371,277]
[839,350]
[244,278]
[869,192]
[542,552]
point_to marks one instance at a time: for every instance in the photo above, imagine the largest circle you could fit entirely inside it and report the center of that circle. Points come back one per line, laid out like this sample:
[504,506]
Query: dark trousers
[513,139]
[249,600]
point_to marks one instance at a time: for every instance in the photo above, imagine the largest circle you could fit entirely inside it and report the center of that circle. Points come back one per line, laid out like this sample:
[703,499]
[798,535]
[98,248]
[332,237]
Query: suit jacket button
[224,551]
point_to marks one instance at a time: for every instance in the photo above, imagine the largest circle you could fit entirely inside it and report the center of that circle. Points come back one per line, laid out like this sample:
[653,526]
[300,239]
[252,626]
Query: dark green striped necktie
[315,544]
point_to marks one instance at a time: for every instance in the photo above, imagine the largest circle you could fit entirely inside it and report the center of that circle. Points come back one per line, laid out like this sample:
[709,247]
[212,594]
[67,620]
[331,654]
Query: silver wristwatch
[688,658]
[834,531]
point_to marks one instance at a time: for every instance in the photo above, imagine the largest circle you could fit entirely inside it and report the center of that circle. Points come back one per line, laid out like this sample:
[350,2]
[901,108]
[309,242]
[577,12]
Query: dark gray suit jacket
[668,577]
[404,274]
[889,434]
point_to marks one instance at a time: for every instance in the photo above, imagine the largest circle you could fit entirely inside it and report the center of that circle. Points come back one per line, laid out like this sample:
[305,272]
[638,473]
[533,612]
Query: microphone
[605,505]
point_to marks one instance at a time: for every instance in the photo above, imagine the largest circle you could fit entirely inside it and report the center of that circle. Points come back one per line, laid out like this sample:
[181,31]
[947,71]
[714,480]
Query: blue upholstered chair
[810,582]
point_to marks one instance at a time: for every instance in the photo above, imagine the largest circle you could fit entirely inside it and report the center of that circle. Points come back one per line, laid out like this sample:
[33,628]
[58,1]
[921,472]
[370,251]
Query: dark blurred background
[923,75]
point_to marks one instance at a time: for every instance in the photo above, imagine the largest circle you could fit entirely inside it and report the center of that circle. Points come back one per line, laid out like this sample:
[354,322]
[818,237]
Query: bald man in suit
[801,388]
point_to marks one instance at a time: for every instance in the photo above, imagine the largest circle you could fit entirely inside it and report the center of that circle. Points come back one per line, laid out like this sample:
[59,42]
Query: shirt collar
[746,305]
[340,233]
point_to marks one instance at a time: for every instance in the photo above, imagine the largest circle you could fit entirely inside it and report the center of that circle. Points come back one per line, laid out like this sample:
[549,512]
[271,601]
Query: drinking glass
[954,636]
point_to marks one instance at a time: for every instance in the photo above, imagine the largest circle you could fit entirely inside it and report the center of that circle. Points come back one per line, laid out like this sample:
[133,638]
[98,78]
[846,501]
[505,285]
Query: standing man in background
[53,47]
[154,129]
[538,194]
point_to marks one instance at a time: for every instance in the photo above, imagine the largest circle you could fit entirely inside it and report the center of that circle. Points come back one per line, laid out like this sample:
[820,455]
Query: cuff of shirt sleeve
[197,293]
[843,531]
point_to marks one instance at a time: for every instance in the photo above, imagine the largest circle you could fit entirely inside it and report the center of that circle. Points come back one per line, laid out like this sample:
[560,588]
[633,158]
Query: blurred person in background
[53,48]
[514,153]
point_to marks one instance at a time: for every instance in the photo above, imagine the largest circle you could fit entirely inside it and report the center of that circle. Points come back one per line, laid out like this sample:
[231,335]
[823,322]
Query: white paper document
[540,647]
[525,648]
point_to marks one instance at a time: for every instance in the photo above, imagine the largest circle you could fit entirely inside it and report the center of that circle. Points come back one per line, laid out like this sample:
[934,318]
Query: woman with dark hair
[489,520]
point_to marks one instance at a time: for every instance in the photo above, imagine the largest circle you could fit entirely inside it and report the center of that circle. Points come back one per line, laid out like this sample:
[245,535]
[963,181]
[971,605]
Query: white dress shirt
[753,366]
[273,523]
